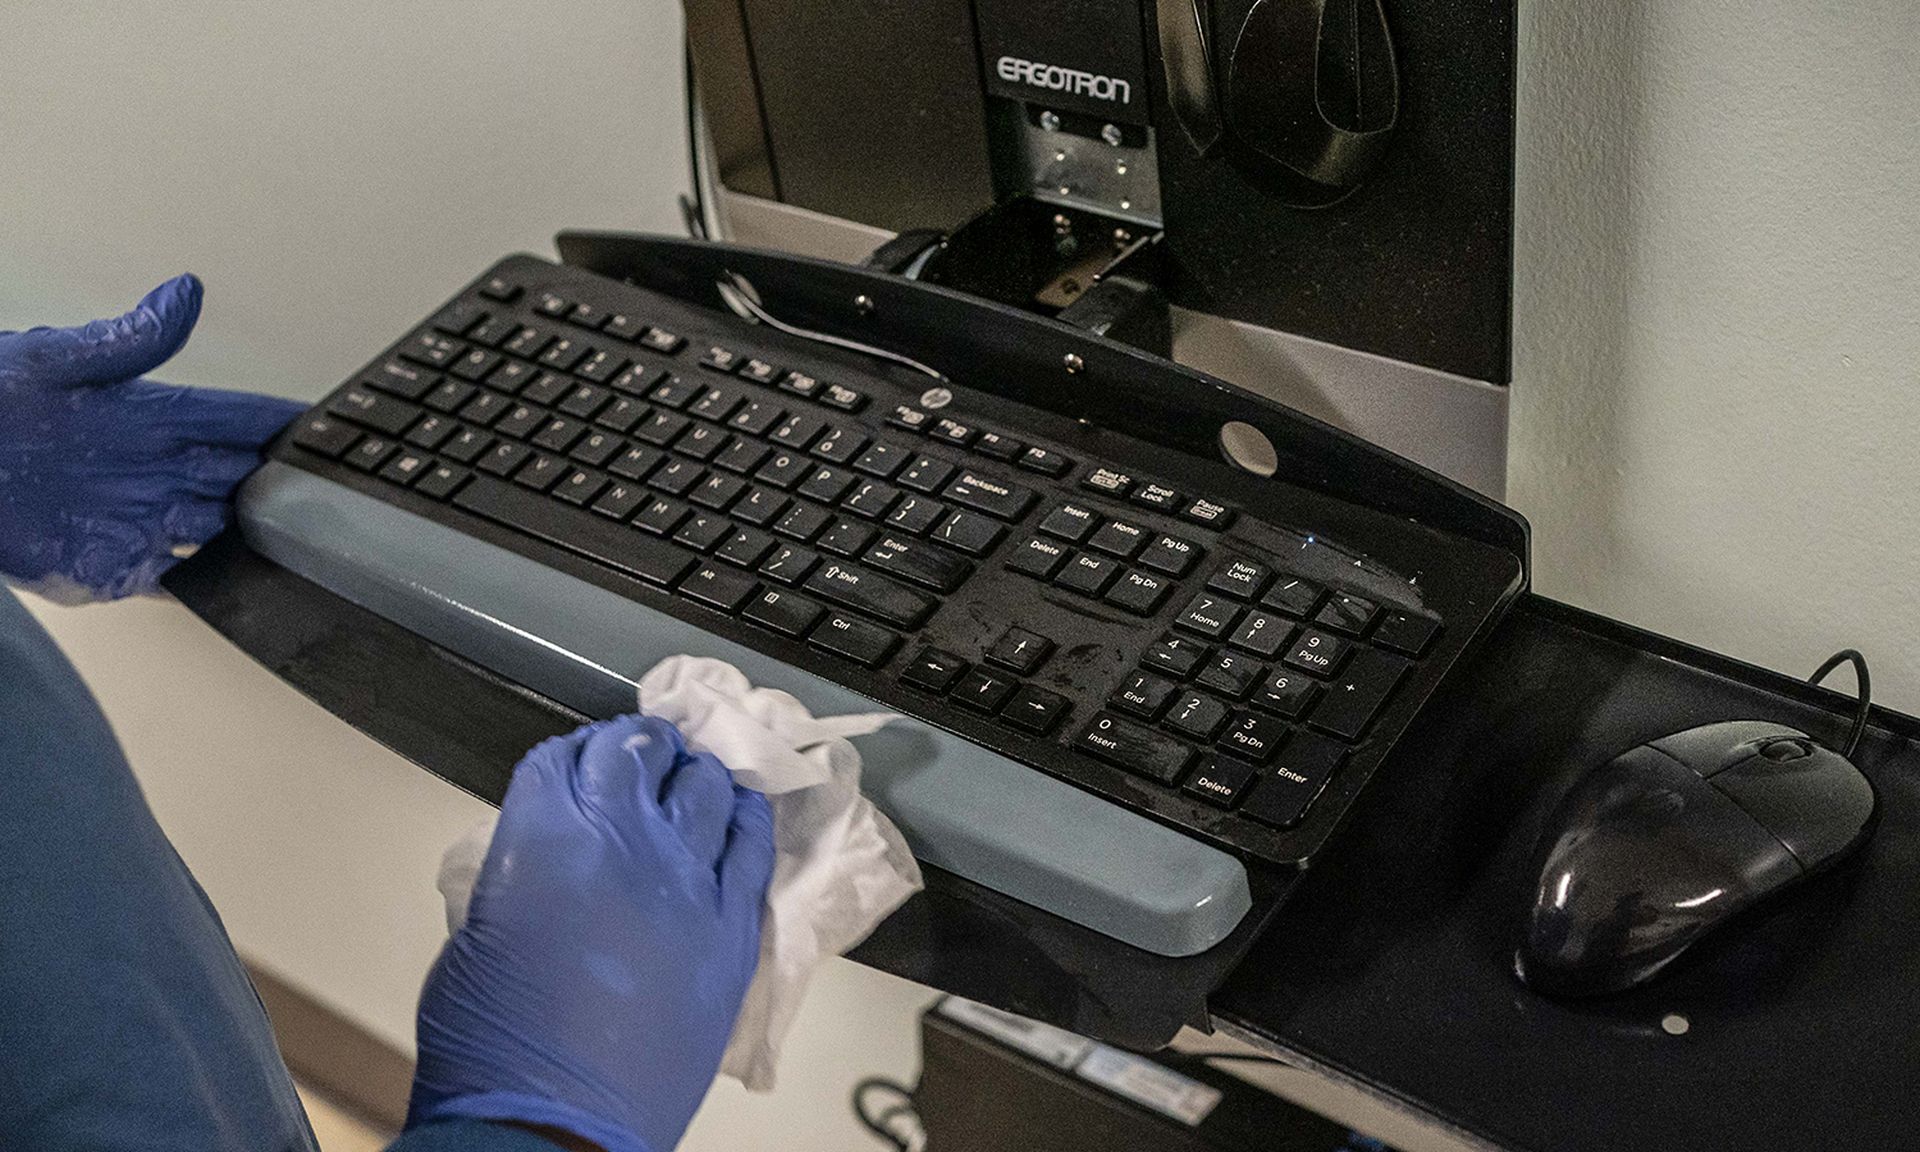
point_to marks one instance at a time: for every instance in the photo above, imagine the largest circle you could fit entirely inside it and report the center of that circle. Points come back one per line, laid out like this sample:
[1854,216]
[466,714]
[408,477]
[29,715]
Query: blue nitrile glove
[611,935]
[102,474]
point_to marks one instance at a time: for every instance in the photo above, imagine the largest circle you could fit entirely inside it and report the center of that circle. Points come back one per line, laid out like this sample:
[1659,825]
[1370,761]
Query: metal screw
[863,304]
[1125,205]
[1060,157]
[1065,191]
[1074,363]
[1122,237]
[1674,1024]
[1120,169]
[1050,121]
[1111,134]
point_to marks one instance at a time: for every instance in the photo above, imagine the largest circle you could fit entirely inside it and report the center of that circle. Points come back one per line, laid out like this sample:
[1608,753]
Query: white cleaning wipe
[840,866]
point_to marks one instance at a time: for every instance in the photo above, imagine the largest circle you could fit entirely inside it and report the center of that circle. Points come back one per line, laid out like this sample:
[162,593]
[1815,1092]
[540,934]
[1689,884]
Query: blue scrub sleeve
[470,1136]
[126,1020]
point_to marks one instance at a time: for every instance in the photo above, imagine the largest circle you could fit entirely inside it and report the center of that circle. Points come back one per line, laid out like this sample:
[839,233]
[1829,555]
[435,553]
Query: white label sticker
[1149,1085]
[1043,1042]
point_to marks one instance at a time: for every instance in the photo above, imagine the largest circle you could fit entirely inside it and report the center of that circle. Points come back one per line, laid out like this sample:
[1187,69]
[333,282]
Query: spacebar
[599,540]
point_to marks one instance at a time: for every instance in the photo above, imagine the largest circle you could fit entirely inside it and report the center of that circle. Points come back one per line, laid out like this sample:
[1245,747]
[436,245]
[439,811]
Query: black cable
[693,211]
[1865,683]
[878,1124]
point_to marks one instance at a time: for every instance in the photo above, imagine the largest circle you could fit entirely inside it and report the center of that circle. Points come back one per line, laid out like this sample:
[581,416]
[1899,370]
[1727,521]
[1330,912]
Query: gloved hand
[611,935]
[102,474]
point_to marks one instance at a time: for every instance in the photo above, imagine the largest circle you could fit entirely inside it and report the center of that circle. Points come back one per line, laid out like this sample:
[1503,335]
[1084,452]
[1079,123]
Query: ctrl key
[857,640]
[325,435]
[1135,747]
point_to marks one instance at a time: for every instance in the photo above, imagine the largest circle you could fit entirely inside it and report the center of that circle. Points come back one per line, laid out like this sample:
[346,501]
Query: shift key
[1135,747]
[874,595]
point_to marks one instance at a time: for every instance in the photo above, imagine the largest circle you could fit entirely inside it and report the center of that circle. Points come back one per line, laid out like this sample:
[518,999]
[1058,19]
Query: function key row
[994,445]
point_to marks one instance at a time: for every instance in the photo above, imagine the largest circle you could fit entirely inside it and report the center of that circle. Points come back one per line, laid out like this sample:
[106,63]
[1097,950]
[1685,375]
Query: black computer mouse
[1661,845]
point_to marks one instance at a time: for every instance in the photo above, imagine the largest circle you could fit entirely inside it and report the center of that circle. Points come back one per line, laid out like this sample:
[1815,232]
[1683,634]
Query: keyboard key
[1107,482]
[1088,575]
[947,430]
[558,434]
[496,288]
[846,538]
[676,477]
[433,350]
[718,491]
[985,494]
[405,468]
[1405,630]
[798,431]
[1208,514]
[1285,693]
[370,453]
[701,441]
[842,397]
[1157,496]
[910,419]
[1177,656]
[871,499]
[442,481]
[970,532]
[636,461]
[1317,652]
[1070,522]
[803,522]
[916,514]
[784,470]
[661,340]
[800,384]
[1221,781]
[620,326]
[1134,747]
[505,459]
[746,547]
[918,562]
[620,500]
[1044,461]
[761,507]
[1230,673]
[377,411]
[1139,592]
[1208,614]
[1035,710]
[720,359]
[521,421]
[933,669]
[661,516]
[998,447]
[926,474]
[1241,579]
[528,342]
[607,543]
[718,587]
[983,690]
[661,428]
[587,316]
[565,352]
[1020,650]
[639,379]
[1038,558]
[580,487]
[1143,694]
[717,404]
[876,596]
[1120,538]
[548,388]
[857,640]
[550,304]
[1292,595]
[1346,612]
[1171,554]
[585,400]
[1261,634]
[783,612]
[485,408]
[1197,715]
[839,445]
[466,446]
[676,393]
[541,472]
[1285,788]
[511,377]
[325,435]
[494,331]
[761,371]
[1355,698]
[595,448]
[881,460]
[601,367]
[742,455]
[789,564]
[826,484]
[448,396]
[756,417]
[702,531]
[1252,736]
[403,380]
[476,364]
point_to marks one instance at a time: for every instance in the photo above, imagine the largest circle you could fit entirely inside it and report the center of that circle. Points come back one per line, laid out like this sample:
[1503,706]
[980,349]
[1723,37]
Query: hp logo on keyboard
[935,399]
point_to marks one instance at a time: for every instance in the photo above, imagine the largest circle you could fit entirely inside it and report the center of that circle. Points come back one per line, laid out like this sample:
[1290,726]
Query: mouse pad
[1799,1028]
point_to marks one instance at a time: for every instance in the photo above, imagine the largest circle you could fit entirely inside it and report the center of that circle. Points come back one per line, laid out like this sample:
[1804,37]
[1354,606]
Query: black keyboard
[1224,653]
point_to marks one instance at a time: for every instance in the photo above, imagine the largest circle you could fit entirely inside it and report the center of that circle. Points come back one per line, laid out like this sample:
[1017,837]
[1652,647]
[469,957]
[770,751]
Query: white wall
[1713,418]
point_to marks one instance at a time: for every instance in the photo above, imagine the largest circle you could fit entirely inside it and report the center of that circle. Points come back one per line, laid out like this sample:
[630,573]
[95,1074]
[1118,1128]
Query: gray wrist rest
[963,808]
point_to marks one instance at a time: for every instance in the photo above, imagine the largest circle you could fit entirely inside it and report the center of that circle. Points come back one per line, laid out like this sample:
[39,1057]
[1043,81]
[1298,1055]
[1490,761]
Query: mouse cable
[883,1125]
[1865,682]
